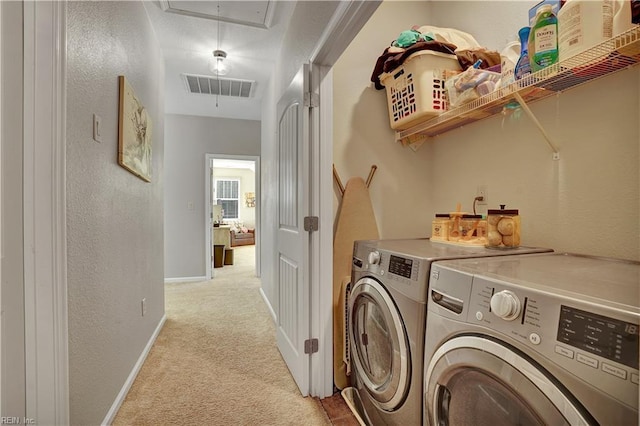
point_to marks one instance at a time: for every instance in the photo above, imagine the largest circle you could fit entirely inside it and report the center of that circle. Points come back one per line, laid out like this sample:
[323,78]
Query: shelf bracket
[525,107]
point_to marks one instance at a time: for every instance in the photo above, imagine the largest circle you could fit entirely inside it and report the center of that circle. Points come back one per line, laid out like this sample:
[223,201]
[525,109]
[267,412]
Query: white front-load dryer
[386,323]
[547,339]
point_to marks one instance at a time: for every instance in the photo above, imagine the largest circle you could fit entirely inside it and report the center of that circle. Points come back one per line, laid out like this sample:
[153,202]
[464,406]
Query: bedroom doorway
[232,203]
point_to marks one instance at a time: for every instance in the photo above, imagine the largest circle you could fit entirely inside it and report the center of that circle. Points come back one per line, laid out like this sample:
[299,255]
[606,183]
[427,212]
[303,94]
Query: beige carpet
[215,361]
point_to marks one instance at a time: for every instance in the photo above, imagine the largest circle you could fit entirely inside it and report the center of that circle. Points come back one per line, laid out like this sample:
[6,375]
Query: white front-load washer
[386,320]
[548,339]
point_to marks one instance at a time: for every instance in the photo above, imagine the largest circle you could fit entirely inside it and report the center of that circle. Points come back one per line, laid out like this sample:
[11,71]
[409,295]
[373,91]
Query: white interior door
[293,240]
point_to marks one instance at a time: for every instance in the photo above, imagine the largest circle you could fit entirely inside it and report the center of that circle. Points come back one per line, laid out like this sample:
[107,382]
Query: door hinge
[311,223]
[311,346]
[311,100]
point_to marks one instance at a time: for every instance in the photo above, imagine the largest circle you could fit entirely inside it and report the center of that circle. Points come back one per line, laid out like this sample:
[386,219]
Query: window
[227,195]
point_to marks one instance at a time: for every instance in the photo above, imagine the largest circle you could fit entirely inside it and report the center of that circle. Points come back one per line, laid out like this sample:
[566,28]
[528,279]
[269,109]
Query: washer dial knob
[374,258]
[506,305]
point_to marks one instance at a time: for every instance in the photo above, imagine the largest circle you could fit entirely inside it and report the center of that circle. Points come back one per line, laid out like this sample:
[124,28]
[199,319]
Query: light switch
[97,128]
[190,205]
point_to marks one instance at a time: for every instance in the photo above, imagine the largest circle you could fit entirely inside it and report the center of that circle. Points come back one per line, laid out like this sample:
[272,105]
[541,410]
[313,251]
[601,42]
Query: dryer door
[474,380]
[380,349]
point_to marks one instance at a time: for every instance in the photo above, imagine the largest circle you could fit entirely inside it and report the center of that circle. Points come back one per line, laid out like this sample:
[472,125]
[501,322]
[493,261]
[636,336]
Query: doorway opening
[232,207]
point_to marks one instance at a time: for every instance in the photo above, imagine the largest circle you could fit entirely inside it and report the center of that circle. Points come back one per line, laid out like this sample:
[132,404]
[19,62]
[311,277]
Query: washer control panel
[599,335]
[594,344]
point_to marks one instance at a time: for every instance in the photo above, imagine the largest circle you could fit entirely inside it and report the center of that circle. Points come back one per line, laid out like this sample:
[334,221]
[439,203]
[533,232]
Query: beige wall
[247,184]
[400,190]
[587,202]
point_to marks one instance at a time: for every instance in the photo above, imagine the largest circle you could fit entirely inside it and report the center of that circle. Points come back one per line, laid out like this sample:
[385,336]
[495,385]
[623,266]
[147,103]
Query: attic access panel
[250,13]
[202,84]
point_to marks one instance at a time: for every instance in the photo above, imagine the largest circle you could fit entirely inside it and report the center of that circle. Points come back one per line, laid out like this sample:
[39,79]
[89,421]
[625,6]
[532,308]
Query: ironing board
[355,221]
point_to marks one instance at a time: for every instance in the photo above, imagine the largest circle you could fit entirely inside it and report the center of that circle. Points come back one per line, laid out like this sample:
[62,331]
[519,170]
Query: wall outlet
[483,192]
[143,306]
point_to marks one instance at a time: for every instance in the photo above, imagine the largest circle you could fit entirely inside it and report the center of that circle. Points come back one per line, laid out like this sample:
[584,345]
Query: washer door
[473,380]
[379,344]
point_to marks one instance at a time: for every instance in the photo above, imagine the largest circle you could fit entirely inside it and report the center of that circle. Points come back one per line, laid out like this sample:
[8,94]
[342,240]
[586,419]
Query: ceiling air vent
[219,86]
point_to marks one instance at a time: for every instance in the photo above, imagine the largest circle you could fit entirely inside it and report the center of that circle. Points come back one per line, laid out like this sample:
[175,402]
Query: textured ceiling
[188,39]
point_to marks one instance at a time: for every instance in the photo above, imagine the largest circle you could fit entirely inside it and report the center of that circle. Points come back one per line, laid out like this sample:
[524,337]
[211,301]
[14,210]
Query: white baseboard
[111,414]
[266,301]
[184,279]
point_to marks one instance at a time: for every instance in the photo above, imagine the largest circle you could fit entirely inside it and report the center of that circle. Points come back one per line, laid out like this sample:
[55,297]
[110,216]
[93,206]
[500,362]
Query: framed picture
[134,133]
[250,199]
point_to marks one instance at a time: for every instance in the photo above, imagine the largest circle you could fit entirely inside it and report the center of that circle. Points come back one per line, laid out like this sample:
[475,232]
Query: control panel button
[634,378]
[534,338]
[479,316]
[374,258]
[591,362]
[506,305]
[613,370]
[564,351]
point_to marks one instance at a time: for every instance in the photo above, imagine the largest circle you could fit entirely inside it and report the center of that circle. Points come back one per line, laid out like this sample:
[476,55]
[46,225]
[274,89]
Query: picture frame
[134,133]
[250,199]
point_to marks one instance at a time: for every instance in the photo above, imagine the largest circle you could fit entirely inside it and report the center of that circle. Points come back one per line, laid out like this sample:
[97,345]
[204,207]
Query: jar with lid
[454,225]
[440,227]
[469,224]
[503,229]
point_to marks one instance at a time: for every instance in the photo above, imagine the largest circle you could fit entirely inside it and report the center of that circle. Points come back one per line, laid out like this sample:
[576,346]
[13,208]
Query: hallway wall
[114,219]
[188,140]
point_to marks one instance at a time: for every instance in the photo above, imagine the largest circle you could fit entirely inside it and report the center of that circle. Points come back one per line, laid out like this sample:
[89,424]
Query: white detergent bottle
[623,21]
[508,59]
[582,24]
[622,17]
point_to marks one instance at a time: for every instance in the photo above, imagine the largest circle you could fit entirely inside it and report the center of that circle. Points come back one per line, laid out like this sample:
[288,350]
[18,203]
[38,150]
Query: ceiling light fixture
[218,66]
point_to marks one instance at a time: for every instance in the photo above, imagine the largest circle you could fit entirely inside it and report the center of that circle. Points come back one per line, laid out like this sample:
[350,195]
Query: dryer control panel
[404,273]
[401,266]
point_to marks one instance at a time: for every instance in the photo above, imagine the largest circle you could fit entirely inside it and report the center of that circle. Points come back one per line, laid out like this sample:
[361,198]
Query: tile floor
[338,411]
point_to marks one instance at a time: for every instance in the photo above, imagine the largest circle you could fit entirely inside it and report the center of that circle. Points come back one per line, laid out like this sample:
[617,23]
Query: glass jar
[469,225]
[503,228]
[440,227]
[454,226]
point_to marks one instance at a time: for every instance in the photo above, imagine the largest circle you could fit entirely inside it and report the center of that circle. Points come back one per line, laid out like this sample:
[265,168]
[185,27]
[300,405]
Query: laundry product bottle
[583,24]
[508,60]
[523,66]
[543,39]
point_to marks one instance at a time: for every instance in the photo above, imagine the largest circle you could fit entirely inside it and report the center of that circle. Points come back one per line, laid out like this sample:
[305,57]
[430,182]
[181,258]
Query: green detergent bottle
[543,39]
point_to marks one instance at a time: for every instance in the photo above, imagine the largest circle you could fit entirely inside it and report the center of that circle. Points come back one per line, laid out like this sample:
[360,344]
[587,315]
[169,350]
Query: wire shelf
[608,57]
